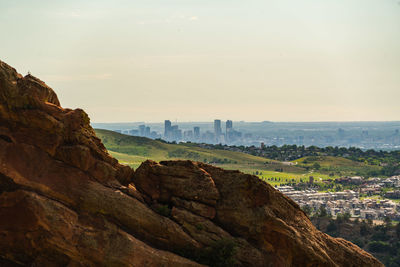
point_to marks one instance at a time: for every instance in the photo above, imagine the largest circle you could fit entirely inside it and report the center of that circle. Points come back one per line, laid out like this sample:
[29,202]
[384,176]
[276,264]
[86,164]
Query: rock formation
[64,201]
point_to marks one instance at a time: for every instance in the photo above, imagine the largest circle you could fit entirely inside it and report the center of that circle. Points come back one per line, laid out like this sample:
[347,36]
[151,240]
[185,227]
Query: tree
[388,221]
[307,209]
[378,246]
[322,212]
[364,230]
[316,166]
[220,254]
[398,230]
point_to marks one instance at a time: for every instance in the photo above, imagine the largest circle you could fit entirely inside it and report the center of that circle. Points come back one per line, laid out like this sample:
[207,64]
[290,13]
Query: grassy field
[337,166]
[328,161]
[133,150]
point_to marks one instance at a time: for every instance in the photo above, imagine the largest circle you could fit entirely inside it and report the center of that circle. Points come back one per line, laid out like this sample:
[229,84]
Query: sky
[197,60]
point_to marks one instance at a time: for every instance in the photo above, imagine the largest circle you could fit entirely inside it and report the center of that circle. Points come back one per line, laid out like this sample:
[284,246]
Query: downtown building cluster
[374,136]
[172,133]
[143,131]
[218,136]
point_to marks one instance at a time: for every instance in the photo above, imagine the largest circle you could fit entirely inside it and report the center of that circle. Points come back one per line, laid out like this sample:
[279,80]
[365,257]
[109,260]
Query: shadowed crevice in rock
[7,184]
[6,138]
[8,263]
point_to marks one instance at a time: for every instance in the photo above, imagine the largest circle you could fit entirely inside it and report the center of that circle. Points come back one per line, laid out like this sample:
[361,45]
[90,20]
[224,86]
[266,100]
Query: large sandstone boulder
[64,201]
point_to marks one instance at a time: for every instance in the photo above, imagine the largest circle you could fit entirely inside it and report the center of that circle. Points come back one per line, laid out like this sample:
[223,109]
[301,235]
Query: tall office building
[176,133]
[229,126]
[196,131]
[142,130]
[188,135]
[167,129]
[217,128]
[134,132]
[228,130]
[147,131]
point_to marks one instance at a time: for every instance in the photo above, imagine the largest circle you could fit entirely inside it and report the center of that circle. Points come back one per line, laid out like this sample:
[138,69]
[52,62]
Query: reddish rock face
[64,201]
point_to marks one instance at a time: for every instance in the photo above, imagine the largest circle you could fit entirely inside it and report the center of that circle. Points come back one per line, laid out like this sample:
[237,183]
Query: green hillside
[329,161]
[133,150]
[336,165]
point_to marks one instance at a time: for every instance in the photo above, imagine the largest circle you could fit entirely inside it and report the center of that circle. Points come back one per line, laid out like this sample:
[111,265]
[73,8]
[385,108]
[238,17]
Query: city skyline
[376,135]
[172,133]
[248,121]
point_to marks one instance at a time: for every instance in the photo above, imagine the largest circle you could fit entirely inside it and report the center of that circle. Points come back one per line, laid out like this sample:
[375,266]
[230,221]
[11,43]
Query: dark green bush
[219,254]
[378,246]
[358,242]
[332,228]
[163,210]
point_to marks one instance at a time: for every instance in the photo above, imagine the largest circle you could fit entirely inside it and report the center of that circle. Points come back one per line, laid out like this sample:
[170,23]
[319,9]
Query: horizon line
[265,121]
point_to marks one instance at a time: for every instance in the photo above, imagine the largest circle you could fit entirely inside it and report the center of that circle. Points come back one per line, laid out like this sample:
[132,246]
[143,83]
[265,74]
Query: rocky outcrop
[64,201]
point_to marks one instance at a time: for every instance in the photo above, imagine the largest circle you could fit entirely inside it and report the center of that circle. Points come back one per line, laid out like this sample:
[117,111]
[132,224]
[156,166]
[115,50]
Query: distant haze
[196,60]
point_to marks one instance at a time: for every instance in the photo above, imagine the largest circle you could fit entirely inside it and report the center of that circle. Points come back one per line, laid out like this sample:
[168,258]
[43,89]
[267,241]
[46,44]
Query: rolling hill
[133,150]
[337,165]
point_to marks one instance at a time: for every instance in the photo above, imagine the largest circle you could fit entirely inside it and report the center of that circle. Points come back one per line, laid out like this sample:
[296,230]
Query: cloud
[74,14]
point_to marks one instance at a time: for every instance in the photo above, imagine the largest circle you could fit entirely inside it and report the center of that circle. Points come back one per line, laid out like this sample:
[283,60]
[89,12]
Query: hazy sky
[196,60]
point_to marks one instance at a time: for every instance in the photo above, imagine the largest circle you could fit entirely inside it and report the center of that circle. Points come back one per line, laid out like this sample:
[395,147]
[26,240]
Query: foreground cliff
[65,202]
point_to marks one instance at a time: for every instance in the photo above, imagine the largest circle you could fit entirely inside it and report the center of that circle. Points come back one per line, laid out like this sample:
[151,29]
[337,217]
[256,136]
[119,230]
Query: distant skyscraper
[134,132]
[196,131]
[228,130]
[217,128]
[167,129]
[229,125]
[188,135]
[208,137]
[176,133]
[142,130]
[147,131]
